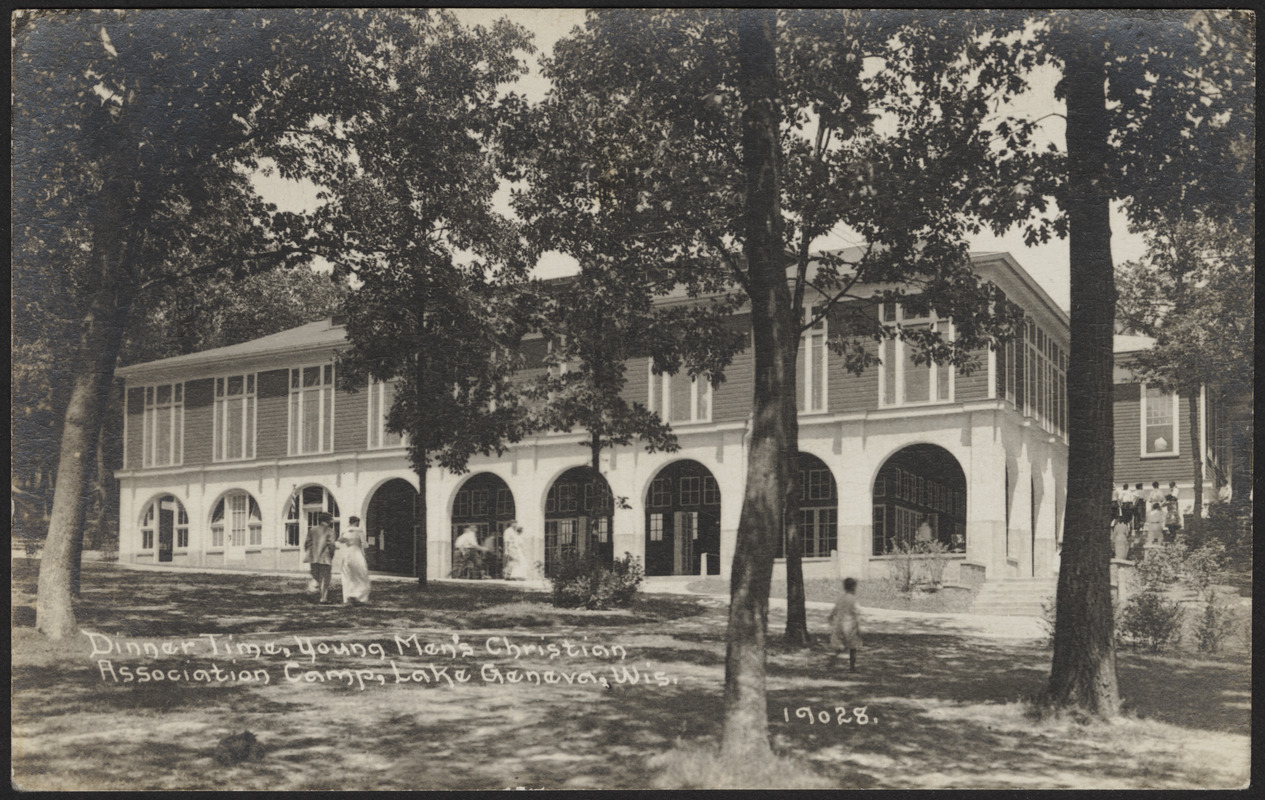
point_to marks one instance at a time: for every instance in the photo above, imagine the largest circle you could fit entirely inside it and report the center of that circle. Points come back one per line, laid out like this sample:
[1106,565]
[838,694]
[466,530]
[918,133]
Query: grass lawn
[943,706]
[881,593]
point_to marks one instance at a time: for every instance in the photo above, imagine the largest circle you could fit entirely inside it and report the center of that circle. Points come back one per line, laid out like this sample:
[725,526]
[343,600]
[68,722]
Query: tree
[130,133]
[1194,292]
[1155,105]
[409,212]
[639,168]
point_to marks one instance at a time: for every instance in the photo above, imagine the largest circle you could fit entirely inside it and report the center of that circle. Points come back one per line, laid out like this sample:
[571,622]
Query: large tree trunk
[746,724]
[420,467]
[1197,448]
[1083,674]
[100,338]
[796,614]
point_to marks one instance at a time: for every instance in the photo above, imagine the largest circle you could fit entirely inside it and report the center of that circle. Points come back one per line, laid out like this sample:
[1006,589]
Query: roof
[312,335]
[1131,343]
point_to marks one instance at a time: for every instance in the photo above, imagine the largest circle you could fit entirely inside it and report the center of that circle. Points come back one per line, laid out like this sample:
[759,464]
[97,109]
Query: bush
[583,580]
[1151,619]
[1229,529]
[1203,566]
[1163,564]
[937,559]
[916,563]
[901,569]
[1215,626]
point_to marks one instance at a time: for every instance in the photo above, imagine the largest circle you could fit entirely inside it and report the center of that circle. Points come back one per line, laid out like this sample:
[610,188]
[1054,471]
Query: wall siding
[199,404]
[271,434]
[135,427]
[351,420]
[975,385]
[1129,464]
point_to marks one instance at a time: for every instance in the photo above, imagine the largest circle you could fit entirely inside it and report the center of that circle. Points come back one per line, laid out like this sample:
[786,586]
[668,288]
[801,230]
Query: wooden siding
[135,427]
[1129,464]
[848,393]
[271,434]
[199,405]
[637,381]
[351,420]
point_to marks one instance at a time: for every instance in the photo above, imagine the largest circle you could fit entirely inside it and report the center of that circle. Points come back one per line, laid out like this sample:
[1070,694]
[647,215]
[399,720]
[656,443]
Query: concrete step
[1016,597]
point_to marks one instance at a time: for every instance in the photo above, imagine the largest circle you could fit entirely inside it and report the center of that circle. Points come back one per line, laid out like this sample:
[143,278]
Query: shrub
[1232,530]
[902,564]
[1151,619]
[1163,564]
[935,562]
[1202,566]
[583,580]
[1215,626]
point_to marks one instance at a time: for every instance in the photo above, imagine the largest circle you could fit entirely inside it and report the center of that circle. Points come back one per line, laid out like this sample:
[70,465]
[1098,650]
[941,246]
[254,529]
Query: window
[153,522]
[163,425]
[818,531]
[381,398]
[147,527]
[304,509]
[312,410]
[1159,422]
[234,425]
[236,519]
[819,484]
[461,506]
[660,493]
[711,492]
[880,486]
[880,533]
[680,398]
[602,527]
[811,370]
[691,491]
[903,381]
[656,527]
[479,502]
[566,497]
[504,502]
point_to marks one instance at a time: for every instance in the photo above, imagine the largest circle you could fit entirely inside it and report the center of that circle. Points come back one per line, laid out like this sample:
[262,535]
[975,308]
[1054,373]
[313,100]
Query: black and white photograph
[424,399]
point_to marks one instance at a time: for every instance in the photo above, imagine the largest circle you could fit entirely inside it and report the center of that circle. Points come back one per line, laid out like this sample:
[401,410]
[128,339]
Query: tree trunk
[746,725]
[1083,674]
[796,615]
[1197,462]
[420,467]
[100,338]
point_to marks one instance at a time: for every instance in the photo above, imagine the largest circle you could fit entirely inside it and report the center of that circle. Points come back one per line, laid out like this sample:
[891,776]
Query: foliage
[1152,619]
[1162,565]
[1215,626]
[912,563]
[1226,527]
[238,748]
[1202,566]
[583,580]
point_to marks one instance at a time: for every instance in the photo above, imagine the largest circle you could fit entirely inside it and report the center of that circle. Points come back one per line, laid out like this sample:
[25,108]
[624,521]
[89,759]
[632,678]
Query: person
[1139,507]
[515,563]
[958,544]
[1156,495]
[355,568]
[469,553]
[1154,525]
[924,530]
[318,551]
[1172,513]
[845,624]
[1120,537]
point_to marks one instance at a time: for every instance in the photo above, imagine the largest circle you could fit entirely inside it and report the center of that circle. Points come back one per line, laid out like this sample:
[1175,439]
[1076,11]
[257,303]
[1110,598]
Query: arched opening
[389,528]
[236,524]
[818,510]
[683,520]
[921,483]
[303,510]
[578,517]
[165,525]
[485,503]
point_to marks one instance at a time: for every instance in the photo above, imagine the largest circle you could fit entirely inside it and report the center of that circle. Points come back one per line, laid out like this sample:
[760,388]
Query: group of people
[1141,518]
[319,550]
[470,556]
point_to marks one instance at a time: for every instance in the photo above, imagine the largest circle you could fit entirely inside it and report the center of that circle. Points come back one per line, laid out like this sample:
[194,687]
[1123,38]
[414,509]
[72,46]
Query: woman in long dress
[355,569]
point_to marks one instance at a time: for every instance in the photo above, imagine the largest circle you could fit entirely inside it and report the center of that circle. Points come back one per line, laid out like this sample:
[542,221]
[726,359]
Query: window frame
[376,435]
[221,405]
[150,414]
[1175,407]
[814,375]
[660,401]
[325,426]
[899,357]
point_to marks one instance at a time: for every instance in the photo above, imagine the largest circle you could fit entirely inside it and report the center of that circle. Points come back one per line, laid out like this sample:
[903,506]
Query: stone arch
[164,526]
[919,483]
[579,514]
[483,501]
[682,519]
[391,527]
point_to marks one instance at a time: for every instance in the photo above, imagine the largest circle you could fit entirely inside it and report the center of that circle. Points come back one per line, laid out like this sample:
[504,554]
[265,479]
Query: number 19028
[839,716]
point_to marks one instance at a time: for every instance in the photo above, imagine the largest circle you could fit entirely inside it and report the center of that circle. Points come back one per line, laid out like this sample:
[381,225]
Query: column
[1046,531]
[985,469]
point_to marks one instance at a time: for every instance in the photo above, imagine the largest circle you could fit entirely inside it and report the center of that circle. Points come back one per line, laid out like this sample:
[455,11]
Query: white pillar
[985,494]
[1047,530]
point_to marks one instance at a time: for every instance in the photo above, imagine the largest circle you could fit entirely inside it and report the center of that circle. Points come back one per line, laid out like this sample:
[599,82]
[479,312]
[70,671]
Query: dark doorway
[389,528]
[683,521]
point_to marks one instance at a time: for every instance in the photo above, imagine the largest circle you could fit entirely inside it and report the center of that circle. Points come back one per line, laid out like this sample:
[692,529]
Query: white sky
[1048,263]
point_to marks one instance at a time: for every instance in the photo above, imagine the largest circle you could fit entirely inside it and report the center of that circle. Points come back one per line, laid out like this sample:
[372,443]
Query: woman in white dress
[355,569]
[515,568]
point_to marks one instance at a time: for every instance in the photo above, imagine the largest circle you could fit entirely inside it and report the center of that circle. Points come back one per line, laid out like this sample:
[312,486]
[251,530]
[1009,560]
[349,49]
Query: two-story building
[1154,437]
[230,454]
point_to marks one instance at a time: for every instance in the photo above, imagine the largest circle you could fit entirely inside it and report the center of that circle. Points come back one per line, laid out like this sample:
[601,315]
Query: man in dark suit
[318,551]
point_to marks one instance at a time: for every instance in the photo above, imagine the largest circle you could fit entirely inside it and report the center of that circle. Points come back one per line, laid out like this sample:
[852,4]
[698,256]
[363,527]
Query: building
[231,452]
[1154,436]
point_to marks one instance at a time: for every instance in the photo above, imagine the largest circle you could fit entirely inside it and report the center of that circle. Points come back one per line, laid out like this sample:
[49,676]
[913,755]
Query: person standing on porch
[515,560]
[355,568]
[318,551]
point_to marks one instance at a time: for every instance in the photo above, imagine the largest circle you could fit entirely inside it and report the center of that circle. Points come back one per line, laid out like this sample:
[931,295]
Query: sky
[1048,263]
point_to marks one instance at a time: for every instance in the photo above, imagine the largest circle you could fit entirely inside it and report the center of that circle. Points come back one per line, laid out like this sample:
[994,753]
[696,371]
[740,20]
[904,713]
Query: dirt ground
[937,700]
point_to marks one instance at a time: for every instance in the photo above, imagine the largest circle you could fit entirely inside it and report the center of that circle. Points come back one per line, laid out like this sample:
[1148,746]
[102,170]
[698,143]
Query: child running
[845,624]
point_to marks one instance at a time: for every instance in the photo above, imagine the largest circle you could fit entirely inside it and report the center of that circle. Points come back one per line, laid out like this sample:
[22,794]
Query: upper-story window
[680,398]
[1031,373]
[1159,422]
[810,388]
[163,440]
[903,381]
[312,409]
[381,397]
[234,421]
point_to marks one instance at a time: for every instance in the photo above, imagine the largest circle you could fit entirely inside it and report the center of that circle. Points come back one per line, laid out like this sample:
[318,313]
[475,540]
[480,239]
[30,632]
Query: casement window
[237,521]
[312,409]
[381,397]
[810,387]
[902,381]
[680,398]
[504,502]
[818,531]
[711,491]
[163,425]
[1031,373]
[234,420]
[656,527]
[660,493]
[691,491]
[1159,422]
